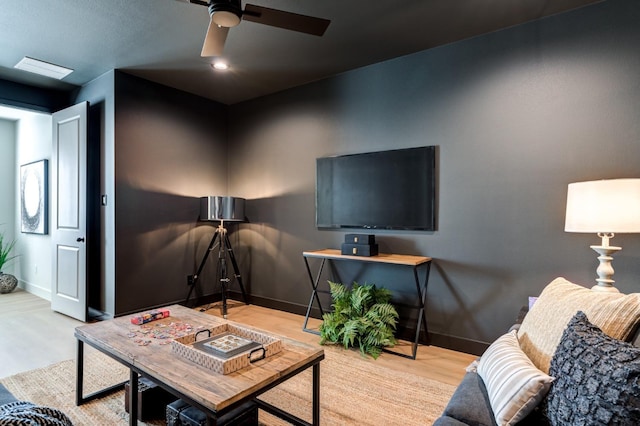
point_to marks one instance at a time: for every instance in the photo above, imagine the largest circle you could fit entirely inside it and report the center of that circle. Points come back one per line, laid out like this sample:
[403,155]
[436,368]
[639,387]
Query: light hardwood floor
[33,336]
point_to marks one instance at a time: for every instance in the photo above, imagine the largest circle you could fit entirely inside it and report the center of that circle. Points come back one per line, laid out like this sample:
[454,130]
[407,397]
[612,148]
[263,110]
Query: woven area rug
[353,391]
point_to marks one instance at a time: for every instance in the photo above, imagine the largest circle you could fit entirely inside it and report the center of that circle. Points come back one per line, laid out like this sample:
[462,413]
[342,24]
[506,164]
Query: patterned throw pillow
[598,378]
[616,314]
[514,385]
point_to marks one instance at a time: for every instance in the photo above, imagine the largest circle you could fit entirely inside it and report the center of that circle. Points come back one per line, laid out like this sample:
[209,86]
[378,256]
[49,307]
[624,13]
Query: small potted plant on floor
[362,316]
[7,281]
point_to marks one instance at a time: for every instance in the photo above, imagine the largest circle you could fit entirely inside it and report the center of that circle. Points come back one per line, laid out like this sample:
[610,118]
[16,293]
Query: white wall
[32,142]
[7,183]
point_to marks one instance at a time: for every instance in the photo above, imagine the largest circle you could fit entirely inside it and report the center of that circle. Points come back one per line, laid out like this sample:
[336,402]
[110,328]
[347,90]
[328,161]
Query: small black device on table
[360,245]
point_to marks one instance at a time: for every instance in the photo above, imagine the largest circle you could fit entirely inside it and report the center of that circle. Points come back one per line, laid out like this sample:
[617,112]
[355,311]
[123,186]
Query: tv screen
[377,190]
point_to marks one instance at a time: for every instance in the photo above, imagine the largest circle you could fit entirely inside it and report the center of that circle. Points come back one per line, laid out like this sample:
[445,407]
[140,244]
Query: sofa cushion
[514,385]
[469,404]
[598,378]
[448,421]
[616,314]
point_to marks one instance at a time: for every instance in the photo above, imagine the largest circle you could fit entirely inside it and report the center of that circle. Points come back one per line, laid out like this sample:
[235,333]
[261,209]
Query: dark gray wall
[100,219]
[36,99]
[170,149]
[516,115]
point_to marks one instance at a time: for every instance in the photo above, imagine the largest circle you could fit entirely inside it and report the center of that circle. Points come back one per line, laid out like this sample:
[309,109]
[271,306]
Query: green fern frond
[360,298]
[382,295]
[374,351]
[362,317]
[339,292]
[383,314]
[350,332]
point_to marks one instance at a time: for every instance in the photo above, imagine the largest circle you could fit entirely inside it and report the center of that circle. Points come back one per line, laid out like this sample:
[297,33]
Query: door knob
[80,239]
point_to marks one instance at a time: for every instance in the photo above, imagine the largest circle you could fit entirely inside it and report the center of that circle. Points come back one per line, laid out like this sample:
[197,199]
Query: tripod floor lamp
[220,209]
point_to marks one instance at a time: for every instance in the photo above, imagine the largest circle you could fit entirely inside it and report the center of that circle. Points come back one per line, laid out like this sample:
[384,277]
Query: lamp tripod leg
[237,275]
[224,247]
[224,281]
[192,280]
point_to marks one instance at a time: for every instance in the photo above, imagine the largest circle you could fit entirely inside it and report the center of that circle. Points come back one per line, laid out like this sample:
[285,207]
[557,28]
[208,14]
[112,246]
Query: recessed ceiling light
[220,65]
[43,68]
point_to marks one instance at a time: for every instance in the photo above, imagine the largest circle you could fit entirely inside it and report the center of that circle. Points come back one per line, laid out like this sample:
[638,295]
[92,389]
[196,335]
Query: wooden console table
[415,262]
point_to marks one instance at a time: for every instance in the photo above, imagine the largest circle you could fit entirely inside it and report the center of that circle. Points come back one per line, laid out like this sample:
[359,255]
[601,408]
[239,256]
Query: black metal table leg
[316,394]
[79,372]
[423,315]
[80,398]
[421,320]
[133,398]
[314,294]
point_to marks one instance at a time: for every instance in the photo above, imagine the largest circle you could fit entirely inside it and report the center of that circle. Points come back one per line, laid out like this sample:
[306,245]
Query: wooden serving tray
[222,359]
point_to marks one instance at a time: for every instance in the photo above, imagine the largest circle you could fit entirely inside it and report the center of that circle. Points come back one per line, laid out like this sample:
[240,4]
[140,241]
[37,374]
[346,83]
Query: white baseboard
[44,293]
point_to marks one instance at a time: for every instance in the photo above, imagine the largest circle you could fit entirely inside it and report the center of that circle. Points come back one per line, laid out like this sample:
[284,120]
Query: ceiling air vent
[43,68]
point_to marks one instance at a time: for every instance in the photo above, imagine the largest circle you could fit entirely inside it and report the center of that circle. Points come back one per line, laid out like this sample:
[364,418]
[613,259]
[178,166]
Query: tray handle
[262,356]
[203,331]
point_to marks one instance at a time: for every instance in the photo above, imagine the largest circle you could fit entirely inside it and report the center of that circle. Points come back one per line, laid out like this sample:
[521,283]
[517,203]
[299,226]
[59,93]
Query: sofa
[573,360]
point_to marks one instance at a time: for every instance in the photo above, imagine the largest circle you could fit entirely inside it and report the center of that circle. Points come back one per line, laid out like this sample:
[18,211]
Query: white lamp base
[605,269]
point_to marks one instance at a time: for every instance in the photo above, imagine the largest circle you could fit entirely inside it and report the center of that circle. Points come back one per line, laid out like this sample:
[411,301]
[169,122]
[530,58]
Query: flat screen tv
[377,190]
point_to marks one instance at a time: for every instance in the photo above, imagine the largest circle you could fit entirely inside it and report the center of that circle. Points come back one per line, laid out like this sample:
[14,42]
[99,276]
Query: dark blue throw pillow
[597,378]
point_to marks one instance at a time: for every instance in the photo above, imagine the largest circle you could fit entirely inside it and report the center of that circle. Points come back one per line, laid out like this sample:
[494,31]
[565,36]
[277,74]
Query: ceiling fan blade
[286,20]
[214,41]
[200,2]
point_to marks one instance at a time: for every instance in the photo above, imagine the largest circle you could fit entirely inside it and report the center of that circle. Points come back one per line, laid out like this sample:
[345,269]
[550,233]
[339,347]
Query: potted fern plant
[362,317]
[7,281]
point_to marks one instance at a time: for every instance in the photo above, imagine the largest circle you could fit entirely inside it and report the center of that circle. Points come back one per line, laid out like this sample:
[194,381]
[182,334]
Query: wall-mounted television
[393,189]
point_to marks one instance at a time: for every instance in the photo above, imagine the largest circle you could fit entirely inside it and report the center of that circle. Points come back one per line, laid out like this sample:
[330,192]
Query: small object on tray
[226,345]
[156,314]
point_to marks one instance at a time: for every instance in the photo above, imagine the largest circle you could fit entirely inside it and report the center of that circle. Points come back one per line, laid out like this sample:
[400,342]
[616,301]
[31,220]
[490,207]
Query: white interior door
[68,211]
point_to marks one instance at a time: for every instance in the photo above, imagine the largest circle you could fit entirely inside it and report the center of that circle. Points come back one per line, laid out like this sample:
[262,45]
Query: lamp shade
[607,206]
[216,208]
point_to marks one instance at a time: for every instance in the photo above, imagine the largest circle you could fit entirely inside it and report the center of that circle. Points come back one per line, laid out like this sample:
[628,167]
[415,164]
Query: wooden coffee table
[213,393]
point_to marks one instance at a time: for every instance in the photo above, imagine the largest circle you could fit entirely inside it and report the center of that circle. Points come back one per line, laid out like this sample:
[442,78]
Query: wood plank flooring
[33,336]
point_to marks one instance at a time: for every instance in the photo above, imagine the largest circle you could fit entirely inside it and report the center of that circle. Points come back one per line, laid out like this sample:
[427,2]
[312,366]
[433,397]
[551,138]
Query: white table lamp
[604,207]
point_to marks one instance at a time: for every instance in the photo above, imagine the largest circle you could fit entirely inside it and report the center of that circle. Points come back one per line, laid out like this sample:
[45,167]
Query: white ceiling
[160,40]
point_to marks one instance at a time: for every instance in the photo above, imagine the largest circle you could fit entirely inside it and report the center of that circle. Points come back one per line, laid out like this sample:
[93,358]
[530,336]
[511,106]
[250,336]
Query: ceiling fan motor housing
[225,13]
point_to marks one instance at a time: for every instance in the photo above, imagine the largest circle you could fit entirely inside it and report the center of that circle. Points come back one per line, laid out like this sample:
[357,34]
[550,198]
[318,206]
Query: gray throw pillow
[597,378]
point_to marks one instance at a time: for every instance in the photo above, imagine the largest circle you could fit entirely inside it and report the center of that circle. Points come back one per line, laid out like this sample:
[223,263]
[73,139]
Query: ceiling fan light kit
[225,14]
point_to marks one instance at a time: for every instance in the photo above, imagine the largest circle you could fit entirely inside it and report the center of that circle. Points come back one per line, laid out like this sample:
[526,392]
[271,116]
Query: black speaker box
[359,239]
[360,249]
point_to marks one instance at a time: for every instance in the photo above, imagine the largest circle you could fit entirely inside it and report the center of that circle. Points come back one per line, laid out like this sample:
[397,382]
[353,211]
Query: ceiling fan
[225,14]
